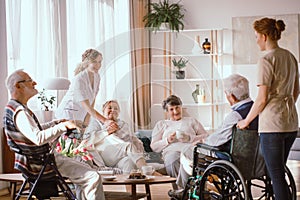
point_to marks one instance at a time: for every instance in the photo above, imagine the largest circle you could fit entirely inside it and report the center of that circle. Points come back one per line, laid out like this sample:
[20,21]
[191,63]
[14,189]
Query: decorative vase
[180,74]
[196,93]
[196,48]
[206,46]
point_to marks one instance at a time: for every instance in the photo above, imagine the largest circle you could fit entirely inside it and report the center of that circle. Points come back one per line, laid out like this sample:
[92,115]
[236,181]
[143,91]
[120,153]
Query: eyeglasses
[24,81]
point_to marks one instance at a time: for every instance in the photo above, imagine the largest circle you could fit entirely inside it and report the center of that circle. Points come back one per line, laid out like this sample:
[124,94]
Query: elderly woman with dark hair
[164,134]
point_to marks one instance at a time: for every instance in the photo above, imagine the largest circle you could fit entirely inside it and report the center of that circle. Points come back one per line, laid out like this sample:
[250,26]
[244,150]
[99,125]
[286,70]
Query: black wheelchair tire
[231,183]
[267,190]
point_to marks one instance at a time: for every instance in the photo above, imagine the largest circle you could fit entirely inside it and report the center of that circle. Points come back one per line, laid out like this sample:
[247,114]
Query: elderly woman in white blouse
[165,139]
[118,146]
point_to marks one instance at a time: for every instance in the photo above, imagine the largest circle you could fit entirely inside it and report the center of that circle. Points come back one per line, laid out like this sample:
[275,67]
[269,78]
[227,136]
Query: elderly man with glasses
[23,129]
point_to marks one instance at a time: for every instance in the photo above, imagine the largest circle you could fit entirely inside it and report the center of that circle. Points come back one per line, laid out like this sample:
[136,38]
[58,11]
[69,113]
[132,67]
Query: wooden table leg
[13,187]
[133,191]
[148,192]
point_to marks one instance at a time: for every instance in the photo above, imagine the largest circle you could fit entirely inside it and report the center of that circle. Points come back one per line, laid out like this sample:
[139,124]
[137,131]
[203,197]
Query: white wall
[219,13]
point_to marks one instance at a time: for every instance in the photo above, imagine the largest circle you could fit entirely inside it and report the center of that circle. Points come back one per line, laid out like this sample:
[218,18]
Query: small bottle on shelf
[206,46]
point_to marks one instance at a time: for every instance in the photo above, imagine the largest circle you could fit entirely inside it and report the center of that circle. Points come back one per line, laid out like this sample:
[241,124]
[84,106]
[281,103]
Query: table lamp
[57,83]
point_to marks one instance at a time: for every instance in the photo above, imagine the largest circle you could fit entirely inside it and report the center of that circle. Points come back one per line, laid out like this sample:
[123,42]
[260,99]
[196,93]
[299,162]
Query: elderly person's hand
[242,124]
[172,138]
[111,126]
[70,125]
[198,141]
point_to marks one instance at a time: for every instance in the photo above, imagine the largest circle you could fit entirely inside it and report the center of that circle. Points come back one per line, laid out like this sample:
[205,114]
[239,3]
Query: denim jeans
[275,149]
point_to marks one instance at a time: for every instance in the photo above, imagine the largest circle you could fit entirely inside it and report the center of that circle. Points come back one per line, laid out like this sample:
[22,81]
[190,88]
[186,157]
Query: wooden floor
[159,192]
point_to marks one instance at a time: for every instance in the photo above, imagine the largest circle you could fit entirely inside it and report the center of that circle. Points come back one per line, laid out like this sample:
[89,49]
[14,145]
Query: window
[46,38]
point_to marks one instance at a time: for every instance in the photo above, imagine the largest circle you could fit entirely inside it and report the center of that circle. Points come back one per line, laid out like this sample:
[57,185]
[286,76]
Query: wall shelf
[205,70]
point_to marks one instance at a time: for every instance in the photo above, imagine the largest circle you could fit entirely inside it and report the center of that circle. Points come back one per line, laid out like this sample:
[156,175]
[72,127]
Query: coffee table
[13,179]
[151,180]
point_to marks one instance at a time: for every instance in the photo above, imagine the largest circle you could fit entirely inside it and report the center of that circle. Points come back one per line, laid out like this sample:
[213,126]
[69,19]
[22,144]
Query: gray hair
[237,85]
[172,100]
[12,79]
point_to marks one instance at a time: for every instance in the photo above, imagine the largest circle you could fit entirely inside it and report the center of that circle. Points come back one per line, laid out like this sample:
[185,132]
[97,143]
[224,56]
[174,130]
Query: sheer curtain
[47,37]
[34,38]
[104,25]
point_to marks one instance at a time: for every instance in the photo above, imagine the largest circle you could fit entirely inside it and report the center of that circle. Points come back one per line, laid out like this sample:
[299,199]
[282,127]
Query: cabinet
[206,70]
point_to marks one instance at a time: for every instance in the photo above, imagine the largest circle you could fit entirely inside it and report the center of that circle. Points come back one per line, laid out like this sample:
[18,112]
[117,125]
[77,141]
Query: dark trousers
[275,149]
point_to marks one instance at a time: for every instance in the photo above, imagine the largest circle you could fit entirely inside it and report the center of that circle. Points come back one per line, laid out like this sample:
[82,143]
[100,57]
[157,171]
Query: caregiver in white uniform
[78,103]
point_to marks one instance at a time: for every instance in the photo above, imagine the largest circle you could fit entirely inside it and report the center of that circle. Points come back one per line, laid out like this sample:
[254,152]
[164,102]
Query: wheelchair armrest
[207,147]
[219,153]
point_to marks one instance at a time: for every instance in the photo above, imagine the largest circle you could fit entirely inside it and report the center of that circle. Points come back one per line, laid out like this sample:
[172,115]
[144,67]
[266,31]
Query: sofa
[153,157]
[295,150]
[150,155]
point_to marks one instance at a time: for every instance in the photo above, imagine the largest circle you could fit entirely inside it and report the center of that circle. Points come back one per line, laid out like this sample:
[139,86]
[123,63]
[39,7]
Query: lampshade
[57,83]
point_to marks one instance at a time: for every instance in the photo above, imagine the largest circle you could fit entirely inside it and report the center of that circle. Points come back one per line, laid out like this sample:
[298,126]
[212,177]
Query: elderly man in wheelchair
[225,165]
[236,88]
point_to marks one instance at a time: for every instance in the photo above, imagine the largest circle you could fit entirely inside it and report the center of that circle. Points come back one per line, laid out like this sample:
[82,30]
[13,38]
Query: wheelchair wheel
[191,190]
[261,188]
[222,180]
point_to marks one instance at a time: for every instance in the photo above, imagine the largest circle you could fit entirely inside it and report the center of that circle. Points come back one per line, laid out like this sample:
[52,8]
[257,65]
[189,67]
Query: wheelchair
[45,183]
[241,176]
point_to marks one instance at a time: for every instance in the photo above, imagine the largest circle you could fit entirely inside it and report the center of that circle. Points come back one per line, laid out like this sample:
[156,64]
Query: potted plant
[47,102]
[180,64]
[165,12]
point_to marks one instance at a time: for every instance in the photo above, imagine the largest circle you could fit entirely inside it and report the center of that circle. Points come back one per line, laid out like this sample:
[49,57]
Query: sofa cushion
[150,156]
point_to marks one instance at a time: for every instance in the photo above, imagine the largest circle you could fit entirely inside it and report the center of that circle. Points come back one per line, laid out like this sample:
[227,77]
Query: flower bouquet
[72,147]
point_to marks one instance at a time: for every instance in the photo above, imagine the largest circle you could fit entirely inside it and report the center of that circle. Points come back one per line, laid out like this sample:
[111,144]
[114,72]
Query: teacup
[179,134]
[148,170]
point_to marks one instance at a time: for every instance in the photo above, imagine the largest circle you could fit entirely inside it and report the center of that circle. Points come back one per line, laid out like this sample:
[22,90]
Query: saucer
[109,178]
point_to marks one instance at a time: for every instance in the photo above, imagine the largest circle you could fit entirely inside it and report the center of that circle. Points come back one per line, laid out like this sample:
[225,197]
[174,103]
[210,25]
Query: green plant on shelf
[179,64]
[164,12]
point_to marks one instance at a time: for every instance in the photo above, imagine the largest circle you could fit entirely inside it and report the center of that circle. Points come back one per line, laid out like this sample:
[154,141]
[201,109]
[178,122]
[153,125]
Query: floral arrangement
[72,147]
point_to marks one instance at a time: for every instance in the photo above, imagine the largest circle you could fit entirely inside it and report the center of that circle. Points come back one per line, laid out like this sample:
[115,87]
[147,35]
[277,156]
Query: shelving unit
[203,69]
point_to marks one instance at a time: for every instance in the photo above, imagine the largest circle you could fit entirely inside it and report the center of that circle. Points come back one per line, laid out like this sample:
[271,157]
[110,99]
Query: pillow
[146,143]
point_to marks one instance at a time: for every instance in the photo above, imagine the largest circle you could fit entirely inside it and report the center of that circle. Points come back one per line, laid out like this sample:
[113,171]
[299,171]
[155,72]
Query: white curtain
[104,25]
[33,36]
[48,37]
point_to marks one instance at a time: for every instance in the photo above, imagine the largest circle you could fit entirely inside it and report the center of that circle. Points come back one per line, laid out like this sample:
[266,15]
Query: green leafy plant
[165,12]
[179,64]
[47,102]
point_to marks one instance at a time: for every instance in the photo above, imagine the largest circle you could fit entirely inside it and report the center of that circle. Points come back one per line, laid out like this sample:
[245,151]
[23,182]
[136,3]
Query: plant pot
[180,74]
[164,26]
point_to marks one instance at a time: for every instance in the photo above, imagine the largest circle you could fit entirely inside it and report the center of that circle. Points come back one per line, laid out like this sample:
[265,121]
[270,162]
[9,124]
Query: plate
[140,179]
[109,178]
